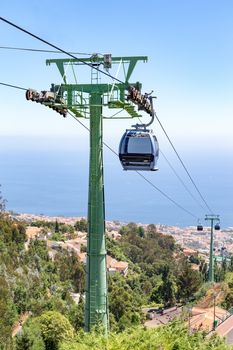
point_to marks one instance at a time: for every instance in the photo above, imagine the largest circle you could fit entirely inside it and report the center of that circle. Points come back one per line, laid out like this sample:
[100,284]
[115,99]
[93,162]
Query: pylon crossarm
[77,98]
[100,60]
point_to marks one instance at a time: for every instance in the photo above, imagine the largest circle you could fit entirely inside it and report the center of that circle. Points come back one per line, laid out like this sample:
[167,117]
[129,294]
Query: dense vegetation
[32,281]
[52,331]
[159,272]
[35,282]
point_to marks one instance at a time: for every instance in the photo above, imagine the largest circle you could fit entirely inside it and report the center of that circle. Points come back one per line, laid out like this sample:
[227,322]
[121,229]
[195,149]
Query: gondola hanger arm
[144,126]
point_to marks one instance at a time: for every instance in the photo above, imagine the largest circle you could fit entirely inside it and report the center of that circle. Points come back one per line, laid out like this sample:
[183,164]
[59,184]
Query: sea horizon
[53,180]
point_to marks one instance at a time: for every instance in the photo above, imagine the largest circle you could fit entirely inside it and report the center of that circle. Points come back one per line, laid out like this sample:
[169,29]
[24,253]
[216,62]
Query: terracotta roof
[110,261]
[82,257]
[32,231]
[113,264]
[189,251]
[121,265]
[204,318]
[195,267]
[225,327]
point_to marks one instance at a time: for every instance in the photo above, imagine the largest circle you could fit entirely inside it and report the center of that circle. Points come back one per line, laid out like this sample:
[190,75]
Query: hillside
[39,283]
[215,294]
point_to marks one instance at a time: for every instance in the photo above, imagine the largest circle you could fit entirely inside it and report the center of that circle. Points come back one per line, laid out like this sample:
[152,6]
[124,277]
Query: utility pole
[215,321]
[211,218]
[189,319]
[87,101]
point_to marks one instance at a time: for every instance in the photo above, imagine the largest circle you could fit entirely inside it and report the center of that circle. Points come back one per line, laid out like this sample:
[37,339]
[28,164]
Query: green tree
[228,302]
[220,270]
[56,228]
[194,259]
[23,341]
[21,298]
[7,316]
[81,225]
[173,337]
[30,337]
[3,202]
[76,315]
[141,231]
[124,305]
[151,230]
[168,288]
[54,329]
[130,228]
[114,249]
[230,267]
[188,281]
[203,268]
[134,253]
[57,236]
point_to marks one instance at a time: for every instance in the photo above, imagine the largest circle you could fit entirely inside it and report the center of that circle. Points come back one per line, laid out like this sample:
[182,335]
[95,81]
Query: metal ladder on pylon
[95,74]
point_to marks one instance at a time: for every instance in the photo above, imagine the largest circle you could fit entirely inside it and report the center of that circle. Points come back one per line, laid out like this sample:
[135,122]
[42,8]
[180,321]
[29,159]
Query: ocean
[50,177]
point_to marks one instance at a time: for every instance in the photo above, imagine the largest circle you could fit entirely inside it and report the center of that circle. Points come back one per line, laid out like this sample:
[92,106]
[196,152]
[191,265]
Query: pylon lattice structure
[88,101]
[211,218]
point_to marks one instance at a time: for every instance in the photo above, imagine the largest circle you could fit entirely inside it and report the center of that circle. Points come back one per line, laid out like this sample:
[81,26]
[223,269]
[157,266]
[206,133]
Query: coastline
[186,237]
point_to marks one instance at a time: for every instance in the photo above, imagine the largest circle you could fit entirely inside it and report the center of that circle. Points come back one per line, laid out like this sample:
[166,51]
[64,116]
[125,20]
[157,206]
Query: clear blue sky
[189,45]
[190,66]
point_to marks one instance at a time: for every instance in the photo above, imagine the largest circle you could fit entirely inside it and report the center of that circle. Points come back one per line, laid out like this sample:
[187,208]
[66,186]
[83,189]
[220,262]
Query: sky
[189,68]
[189,49]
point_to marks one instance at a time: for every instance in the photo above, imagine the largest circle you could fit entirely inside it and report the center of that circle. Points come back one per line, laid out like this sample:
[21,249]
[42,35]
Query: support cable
[116,79]
[180,179]
[59,49]
[46,51]
[138,172]
[13,86]
[177,175]
[106,145]
[185,168]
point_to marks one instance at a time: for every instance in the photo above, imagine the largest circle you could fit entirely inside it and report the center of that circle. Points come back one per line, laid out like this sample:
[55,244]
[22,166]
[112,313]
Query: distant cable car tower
[212,218]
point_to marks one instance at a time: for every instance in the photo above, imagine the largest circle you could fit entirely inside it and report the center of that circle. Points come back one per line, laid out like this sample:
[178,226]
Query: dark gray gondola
[139,150]
[217,227]
[199,227]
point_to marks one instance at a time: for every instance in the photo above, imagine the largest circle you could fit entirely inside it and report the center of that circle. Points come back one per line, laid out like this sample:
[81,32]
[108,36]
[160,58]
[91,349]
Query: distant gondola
[199,227]
[217,227]
[139,150]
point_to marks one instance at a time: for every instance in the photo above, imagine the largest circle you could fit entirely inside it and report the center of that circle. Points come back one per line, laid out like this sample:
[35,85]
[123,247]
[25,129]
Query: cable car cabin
[199,228]
[217,227]
[138,150]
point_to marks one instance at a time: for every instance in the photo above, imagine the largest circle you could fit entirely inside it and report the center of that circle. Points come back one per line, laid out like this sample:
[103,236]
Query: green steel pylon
[87,101]
[96,310]
[211,218]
